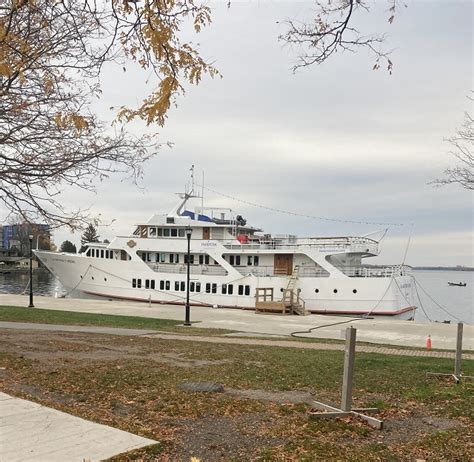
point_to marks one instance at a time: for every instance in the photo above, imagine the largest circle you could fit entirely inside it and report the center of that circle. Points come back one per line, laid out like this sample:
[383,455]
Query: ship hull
[390,297]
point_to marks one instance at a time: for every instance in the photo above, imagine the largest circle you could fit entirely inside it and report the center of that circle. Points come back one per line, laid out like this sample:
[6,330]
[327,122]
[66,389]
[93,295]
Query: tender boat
[235,265]
[458,284]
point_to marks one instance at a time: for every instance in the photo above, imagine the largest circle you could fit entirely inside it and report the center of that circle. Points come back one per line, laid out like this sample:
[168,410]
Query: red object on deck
[243,238]
[428,343]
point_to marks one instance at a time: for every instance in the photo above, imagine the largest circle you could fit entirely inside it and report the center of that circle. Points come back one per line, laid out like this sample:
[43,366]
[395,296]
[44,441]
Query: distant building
[16,235]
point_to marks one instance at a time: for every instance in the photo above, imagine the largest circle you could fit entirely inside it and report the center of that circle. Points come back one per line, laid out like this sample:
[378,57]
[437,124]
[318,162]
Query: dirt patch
[280,397]
[73,348]
[225,438]
[408,428]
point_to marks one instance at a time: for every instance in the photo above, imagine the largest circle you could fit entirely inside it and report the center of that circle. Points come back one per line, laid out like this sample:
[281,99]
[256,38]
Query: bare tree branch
[332,30]
[462,144]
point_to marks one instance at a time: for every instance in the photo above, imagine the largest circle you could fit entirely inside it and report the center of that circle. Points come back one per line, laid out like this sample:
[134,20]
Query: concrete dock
[379,331]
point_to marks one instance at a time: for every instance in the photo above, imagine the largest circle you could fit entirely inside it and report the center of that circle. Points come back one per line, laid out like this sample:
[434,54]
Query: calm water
[458,301]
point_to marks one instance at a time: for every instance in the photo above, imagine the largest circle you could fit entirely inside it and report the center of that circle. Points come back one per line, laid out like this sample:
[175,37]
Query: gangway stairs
[291,299]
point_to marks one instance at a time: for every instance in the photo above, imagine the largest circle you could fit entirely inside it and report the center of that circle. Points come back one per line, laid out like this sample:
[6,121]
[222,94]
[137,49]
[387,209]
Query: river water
[436,297]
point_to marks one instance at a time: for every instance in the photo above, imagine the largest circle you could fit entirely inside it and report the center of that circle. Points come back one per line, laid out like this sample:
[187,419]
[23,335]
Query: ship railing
[268,271]
[182,268]
[325,245]
[376,271]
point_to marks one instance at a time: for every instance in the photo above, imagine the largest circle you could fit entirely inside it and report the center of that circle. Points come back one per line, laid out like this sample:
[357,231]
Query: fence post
[457,361]
[349,357]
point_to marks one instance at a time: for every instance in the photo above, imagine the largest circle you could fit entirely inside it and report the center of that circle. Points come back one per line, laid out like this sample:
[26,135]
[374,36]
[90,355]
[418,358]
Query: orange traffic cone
[428,343]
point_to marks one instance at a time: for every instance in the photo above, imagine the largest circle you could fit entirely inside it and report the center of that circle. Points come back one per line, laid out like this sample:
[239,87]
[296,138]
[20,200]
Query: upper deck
[348,244]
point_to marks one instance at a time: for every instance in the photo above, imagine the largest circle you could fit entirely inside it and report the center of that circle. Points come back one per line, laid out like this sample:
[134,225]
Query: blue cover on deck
[192,215]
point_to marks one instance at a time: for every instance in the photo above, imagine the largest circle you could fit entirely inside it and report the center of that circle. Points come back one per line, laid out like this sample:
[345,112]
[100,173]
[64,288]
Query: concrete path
[31,432]
[380,331]
[227,340]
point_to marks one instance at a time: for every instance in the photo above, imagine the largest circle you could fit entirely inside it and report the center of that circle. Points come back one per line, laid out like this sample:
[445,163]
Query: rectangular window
[166,232]
[247,290]
[183,286]
[191,259]
[134,283]
[181,232]
[241,290]
[208,288]
[139,283]
[152,284]
[198,287]
[192,286]
[162,285]
[231,260]
[167,285]
[201,259]
[162,257]
[92,252]
[102,253]
[171,257]
[176,258]
[237,260]
[256,260]
[160,232]
[230,289]
[174,232]
[151,232]
[214,288]
[206,259]
[224,289]
[176,285]
[147,283]
[249,260]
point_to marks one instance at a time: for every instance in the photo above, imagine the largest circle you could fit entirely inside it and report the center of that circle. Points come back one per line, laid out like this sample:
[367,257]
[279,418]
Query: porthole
[105,279]
[281,290]
[354,291]
[92,277]
[316,290]
[335,291]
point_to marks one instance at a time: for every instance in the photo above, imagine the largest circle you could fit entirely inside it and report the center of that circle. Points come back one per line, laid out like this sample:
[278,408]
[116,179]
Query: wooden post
[349,357]
[457,361]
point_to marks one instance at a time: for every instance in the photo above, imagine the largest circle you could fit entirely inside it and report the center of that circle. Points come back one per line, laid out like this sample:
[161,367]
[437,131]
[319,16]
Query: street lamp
[30,237]
[187,321]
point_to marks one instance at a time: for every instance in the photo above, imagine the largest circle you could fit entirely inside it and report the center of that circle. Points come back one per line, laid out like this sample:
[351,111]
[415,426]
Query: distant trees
[51,56]
[89,235]
[68,246]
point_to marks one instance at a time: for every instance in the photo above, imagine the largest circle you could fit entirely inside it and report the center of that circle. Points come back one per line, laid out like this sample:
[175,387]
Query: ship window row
[237,260]
[166,232]
[180,286]
[354,291]
[155,257]
[100,253]
[148,283]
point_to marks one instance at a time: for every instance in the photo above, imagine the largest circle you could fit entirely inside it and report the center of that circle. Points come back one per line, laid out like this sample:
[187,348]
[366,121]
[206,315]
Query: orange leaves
[74,120]
[153,41]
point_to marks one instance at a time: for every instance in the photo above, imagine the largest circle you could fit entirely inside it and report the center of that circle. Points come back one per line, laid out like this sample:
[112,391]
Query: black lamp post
[187,321]
[30,237]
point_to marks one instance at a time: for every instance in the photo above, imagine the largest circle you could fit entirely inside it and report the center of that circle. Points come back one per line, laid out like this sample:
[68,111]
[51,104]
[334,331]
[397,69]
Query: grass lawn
[133,383]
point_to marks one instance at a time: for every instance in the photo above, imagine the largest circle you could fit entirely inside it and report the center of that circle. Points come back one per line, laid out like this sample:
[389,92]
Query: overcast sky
[337,140]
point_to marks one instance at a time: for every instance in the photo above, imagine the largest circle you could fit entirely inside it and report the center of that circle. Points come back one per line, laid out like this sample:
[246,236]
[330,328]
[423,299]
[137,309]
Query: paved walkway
[228,340]
[378,331]
[31,432]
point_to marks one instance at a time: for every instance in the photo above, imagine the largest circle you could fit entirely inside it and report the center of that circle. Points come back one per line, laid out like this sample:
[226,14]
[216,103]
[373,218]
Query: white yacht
[234,265]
